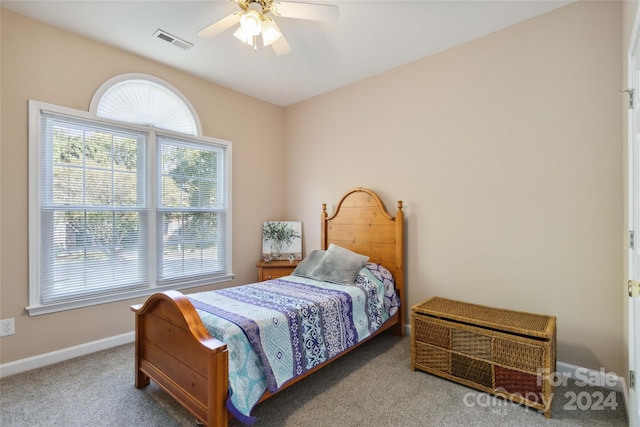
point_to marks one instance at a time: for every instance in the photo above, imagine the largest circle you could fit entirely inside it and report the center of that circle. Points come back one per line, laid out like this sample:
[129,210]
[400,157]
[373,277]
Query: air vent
[182,44]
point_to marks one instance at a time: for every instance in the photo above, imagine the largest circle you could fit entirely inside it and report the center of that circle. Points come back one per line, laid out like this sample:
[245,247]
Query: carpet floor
[372,386]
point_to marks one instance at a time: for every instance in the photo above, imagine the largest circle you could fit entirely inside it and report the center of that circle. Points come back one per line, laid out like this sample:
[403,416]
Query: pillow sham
[308,263]
[339,265]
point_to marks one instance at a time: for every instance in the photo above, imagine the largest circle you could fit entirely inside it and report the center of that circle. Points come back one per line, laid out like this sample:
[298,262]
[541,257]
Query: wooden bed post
[399,273]
[323,227]
[141,380]
[218,390]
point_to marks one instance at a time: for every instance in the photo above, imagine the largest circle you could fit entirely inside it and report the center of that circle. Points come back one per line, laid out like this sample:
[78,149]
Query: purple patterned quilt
[279,329]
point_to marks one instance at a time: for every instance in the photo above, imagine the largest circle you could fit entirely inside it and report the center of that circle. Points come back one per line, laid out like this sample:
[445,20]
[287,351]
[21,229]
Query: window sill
[36,310]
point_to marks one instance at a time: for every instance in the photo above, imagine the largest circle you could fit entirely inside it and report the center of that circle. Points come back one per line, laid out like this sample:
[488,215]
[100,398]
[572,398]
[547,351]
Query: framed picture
[281,240]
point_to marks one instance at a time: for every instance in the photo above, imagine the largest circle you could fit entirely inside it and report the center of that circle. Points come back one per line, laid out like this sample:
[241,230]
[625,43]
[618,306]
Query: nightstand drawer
[274,273]
[275,269]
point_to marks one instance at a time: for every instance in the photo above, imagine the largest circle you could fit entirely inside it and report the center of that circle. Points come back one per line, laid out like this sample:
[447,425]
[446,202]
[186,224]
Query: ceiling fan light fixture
[251,22]
[270,32]
[243,36]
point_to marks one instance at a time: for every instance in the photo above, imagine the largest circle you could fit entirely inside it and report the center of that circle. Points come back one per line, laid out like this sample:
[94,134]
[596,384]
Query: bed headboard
[362,224]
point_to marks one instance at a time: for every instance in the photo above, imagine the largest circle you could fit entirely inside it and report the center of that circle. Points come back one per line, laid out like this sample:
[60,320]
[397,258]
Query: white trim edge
[46,359]
[591,377]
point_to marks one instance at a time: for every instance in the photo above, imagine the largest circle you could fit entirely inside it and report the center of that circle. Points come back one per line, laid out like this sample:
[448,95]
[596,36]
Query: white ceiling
[368,37]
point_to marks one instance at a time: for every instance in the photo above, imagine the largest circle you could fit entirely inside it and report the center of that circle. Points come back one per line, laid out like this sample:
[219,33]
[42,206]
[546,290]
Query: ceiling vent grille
[182,44]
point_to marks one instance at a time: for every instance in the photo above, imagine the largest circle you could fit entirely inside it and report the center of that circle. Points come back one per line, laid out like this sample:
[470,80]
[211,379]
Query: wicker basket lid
[527,324]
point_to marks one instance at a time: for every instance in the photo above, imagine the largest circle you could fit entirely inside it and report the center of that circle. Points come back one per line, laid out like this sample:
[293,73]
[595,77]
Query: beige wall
[46,64]
[507,152]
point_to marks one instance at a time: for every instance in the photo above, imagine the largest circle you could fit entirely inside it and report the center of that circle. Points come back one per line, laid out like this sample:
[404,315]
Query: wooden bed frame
[175,350]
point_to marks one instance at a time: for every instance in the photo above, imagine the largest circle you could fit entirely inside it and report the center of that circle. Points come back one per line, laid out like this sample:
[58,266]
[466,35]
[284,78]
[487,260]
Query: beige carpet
[372,386]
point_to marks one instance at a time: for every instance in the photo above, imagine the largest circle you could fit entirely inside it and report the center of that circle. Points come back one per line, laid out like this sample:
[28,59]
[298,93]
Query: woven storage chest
[507,353]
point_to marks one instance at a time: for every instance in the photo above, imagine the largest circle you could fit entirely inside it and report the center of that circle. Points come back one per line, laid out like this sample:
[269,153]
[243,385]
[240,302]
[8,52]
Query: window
[120,209]
[189,211]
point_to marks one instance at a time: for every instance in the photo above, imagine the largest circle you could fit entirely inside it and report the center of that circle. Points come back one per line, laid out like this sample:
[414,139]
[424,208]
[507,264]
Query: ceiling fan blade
[220,26]
[313,12]
[281,46]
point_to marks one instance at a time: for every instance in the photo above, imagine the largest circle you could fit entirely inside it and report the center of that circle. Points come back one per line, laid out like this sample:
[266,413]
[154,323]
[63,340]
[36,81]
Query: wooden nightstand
[275,269]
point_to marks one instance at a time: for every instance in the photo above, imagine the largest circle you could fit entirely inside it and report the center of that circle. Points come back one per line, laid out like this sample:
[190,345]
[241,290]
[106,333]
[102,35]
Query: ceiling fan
[254,20]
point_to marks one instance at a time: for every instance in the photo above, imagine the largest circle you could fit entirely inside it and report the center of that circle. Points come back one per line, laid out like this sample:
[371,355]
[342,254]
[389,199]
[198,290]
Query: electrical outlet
[7,327]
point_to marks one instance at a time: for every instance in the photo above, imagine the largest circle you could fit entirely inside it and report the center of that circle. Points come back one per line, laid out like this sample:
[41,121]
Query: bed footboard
[174,349]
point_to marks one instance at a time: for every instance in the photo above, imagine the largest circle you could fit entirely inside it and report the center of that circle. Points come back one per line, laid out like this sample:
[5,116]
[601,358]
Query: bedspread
[281,328]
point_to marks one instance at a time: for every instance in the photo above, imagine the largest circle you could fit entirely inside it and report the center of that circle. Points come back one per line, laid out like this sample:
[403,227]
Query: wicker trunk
[507,353]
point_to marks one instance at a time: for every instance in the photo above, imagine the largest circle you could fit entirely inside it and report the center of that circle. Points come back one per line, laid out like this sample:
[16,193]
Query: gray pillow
[309,263]
[339,265]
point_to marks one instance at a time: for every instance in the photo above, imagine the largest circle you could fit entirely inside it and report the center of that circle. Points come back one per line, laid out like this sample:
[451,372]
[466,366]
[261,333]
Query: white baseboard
[46,359]
[591,377]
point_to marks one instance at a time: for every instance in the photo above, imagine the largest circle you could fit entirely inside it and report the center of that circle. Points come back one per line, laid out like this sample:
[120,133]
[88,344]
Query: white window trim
[35,196]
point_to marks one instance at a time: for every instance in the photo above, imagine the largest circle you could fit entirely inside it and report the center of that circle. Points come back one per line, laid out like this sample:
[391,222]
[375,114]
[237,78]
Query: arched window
[145,100]
[126,199]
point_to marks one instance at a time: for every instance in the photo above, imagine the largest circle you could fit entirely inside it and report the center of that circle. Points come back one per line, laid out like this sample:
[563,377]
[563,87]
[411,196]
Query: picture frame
[281,240]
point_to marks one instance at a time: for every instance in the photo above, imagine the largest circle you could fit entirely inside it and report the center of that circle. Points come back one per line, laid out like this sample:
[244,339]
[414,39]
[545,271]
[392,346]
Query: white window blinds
[93,226]
[191,209]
